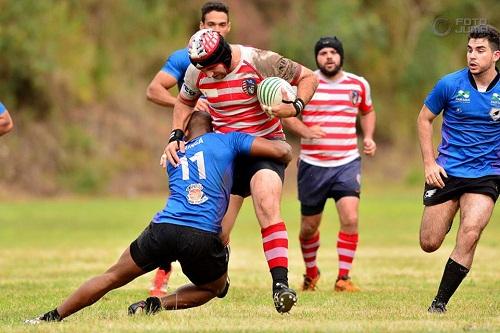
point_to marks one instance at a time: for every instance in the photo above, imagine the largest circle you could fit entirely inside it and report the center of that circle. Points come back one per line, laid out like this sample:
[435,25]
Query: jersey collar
[490,86]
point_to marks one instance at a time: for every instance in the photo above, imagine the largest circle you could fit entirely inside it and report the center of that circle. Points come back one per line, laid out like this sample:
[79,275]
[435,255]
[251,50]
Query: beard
[329,73]
[479,70]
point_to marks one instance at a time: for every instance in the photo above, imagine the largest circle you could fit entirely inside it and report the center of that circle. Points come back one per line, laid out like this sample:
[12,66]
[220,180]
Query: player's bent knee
[471,235]
[307,230]
[224,291]
[429,246]
[350,221]
[219,287]
[430,241]
[267,205]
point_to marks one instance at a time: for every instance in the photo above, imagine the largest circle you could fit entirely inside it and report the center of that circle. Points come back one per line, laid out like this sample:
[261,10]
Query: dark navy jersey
[177,65]
[470,145]
[200,186]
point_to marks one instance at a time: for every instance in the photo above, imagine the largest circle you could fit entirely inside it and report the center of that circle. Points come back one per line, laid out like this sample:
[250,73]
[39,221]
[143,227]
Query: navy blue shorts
[454,187]
[317,184]
[202,255]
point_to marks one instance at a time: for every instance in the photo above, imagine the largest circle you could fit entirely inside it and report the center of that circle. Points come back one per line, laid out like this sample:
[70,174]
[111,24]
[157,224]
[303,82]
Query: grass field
[48,248]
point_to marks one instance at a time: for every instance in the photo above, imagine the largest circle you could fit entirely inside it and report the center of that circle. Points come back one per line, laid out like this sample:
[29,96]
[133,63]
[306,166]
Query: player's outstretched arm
[276,149]
[432,170]
[6,123]
[158,90]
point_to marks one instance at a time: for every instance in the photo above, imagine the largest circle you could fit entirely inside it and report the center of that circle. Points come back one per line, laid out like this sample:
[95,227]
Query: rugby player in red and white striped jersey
[335,107]
[329,164]
[227,75]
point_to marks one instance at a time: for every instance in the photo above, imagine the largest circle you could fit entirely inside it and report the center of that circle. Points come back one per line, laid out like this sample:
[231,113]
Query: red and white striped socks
[346,249]
[275,243]
[309,249]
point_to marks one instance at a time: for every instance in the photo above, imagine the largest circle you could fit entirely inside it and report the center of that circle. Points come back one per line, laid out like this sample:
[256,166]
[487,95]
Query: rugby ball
[269,91]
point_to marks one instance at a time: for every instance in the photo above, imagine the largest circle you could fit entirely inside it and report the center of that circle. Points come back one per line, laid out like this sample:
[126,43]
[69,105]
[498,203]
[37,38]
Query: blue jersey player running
[214,15]
[466,173]
[187,228]
[6,123]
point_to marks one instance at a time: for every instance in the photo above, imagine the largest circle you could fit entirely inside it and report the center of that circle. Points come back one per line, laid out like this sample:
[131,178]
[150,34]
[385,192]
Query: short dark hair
[213,6]
[486,31]
[200,119]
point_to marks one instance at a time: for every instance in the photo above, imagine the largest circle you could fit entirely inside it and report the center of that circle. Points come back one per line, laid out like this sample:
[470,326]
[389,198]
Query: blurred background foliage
[73,74]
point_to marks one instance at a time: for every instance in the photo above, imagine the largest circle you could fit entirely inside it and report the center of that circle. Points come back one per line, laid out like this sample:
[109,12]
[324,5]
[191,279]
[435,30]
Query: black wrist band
[299,105]
[176,135]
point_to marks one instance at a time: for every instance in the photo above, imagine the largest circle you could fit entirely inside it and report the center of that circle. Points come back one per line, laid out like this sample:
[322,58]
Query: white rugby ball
[269,91]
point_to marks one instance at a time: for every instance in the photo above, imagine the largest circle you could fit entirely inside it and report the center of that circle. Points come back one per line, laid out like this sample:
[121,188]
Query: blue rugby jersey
[200,186]
[2,108]
[470,145]
[177,65]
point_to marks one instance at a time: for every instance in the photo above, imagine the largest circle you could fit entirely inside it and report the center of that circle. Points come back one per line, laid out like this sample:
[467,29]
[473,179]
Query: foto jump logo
[463,96]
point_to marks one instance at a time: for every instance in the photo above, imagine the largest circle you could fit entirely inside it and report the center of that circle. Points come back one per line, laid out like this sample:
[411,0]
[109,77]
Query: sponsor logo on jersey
[249,86]
[429,193]
[463,96]
[495,100]
[495,114]
[188,91]
[194,144]
[355,97]
[195,194]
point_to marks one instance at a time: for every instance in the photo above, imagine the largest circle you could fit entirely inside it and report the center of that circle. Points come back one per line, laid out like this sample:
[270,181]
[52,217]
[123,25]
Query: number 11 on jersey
[200,163]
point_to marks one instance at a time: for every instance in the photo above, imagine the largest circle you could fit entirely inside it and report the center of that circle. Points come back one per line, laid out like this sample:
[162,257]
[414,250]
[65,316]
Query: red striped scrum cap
[207,48]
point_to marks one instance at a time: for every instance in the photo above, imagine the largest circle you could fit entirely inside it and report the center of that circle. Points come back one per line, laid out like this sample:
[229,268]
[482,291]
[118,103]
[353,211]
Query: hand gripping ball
[270,91]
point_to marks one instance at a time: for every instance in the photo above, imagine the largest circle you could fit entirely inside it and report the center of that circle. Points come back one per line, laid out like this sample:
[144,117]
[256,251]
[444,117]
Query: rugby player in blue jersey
[6,123]
[465,175]
[187,229]
[214,15]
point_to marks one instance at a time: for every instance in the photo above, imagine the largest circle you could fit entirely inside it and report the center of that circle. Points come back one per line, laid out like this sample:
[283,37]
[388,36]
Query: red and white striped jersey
[233,100]
[335,107]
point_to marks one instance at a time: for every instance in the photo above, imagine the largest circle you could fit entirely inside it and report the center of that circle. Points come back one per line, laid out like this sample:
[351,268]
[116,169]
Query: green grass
[49,247]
